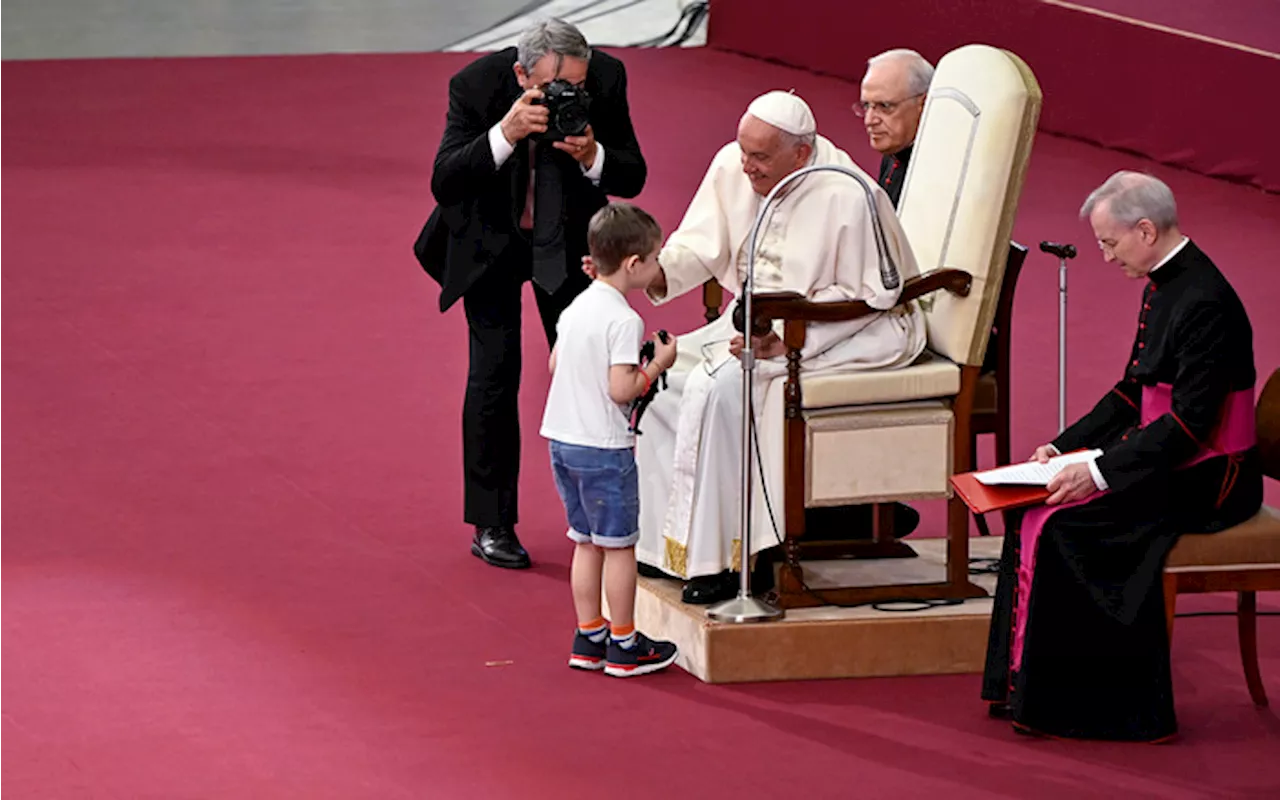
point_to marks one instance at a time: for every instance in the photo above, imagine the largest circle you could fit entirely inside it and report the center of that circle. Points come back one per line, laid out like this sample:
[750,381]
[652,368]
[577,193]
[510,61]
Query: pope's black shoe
[500,547]
[646,571]
[707,589]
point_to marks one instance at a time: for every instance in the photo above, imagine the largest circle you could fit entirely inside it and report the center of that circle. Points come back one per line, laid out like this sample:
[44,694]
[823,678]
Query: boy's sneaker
[642,658]
[587,654]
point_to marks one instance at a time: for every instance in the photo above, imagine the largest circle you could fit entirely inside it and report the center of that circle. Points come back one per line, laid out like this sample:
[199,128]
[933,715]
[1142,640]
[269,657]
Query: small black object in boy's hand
[638,406]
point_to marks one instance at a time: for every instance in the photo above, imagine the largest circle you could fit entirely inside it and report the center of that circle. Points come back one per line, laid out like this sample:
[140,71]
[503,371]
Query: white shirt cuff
[499,146]
[1098,480]
[597,167]
[1055,451]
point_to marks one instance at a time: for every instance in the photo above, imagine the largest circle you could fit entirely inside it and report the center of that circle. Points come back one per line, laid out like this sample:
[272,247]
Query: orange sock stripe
[623,631]
[599,623]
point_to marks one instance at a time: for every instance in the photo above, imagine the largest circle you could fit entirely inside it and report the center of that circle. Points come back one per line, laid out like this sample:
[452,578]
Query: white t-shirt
[598,330]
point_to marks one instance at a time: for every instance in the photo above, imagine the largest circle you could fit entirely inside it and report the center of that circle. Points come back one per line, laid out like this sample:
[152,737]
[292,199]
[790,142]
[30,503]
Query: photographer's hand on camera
[582,148]
[525,117]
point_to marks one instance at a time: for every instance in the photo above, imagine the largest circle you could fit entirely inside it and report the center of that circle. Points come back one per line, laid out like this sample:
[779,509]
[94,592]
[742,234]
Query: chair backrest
[963,185]
[1268,425]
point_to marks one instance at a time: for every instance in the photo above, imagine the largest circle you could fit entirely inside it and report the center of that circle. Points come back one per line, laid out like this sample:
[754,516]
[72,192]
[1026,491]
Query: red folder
[981,498]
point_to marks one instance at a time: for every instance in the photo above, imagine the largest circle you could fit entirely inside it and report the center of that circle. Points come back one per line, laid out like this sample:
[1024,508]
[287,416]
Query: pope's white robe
[818,240]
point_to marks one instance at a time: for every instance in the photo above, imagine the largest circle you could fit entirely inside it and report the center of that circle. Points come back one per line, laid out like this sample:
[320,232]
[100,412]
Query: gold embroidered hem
[676,557]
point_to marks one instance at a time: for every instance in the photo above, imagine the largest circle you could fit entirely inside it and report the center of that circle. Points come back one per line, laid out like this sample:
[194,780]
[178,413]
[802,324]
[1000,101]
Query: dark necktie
[548,220]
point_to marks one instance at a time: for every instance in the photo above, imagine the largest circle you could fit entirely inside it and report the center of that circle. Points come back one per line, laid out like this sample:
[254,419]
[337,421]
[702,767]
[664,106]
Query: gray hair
[794,140]
[919,71]
[1134,196]
[551,35]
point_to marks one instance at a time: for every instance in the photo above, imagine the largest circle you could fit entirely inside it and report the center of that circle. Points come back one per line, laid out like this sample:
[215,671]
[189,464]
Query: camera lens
[572,120]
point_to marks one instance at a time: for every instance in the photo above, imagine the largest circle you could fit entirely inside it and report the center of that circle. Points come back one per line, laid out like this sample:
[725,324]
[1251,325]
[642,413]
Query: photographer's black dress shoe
[500,547]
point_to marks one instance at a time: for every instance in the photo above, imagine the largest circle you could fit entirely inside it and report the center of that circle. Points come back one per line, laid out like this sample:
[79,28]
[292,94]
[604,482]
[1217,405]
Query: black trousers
[1095,656]
[491,411]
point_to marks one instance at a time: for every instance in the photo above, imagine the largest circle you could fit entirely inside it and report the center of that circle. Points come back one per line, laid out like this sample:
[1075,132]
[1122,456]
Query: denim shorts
[601,493]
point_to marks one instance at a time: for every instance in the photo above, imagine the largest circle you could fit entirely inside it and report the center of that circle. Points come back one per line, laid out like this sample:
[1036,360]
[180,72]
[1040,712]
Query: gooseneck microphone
[1058,249]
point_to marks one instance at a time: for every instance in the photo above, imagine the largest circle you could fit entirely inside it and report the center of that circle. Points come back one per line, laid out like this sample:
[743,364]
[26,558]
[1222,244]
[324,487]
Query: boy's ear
[630,263]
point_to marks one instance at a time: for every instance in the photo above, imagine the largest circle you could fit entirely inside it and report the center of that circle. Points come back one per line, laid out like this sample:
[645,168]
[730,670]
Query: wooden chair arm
[793,307]
[955,281]
[712,299]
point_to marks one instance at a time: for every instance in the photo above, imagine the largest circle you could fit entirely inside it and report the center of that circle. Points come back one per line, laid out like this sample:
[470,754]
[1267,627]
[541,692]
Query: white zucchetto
[784,111]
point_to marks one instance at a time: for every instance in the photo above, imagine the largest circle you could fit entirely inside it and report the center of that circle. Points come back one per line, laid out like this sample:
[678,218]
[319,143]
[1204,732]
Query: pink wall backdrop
[1173,98]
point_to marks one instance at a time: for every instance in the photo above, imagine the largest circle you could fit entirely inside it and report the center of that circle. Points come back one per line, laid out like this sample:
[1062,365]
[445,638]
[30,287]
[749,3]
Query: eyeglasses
[882,107]
[1109,245]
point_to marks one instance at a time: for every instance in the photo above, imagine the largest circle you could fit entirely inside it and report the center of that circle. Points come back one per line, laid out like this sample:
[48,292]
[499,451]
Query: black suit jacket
[476,220]
[893,173]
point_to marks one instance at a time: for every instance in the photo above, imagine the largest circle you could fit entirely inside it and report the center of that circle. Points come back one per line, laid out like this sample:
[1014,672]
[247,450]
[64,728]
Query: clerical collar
[904,155]
[1169,257]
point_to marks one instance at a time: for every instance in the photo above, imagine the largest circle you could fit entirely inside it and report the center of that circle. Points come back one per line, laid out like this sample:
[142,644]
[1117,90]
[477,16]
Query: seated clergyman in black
[1078,644]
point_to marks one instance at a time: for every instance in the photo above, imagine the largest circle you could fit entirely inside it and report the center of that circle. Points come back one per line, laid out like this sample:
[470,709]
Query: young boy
[595,374]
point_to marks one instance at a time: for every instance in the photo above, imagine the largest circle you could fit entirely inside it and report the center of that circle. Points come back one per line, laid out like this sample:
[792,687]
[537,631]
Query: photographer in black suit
[536,136]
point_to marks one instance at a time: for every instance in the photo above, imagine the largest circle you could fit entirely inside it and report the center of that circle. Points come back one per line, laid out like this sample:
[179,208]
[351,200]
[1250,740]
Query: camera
[761,326]
[647,349]
[638,405]
[568,107]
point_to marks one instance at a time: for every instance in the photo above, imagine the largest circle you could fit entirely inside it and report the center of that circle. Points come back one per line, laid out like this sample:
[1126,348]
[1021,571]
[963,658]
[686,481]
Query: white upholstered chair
[881,436]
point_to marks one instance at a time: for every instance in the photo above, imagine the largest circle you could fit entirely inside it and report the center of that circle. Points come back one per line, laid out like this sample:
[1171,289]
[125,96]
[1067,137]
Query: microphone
[1058,249]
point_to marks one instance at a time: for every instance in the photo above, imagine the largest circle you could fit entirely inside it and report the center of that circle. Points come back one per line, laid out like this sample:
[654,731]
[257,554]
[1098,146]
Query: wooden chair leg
[1002,439]
[883,529]
[1170,600]
[978,519]
[1247,621]
[981,522]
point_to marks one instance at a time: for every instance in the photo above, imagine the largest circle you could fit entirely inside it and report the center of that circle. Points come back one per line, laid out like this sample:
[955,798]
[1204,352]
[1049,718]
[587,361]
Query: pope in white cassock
[818,240]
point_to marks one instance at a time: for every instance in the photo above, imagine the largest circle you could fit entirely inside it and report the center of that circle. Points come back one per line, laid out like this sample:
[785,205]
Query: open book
[1033,473]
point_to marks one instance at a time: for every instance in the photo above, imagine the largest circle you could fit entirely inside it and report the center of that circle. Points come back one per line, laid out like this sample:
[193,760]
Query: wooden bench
[1244,559]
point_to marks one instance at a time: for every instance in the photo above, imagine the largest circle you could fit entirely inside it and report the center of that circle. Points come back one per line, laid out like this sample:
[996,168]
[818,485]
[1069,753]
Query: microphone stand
[1063,252]
[744,607]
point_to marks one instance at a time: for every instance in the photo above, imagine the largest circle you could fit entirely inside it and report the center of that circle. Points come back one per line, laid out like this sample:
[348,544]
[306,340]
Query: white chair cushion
[929,377]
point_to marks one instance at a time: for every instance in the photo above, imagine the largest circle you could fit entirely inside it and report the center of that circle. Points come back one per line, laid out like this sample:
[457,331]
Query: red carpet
[234,565]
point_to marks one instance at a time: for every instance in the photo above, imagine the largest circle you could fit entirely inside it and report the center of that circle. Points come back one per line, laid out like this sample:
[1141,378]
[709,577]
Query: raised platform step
[831,642]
